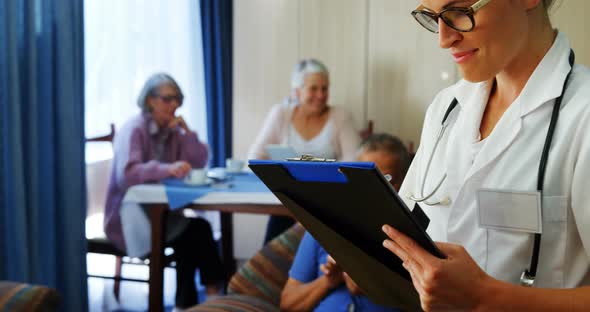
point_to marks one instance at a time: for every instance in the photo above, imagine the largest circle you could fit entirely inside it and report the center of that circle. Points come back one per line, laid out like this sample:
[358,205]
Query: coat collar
[544,85]
[546,82]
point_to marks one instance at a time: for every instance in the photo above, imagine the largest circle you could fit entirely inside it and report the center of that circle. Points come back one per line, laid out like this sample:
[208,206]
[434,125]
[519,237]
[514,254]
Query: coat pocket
[509,252]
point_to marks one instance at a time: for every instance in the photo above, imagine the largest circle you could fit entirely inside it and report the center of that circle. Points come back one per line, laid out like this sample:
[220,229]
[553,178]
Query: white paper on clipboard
[280,152]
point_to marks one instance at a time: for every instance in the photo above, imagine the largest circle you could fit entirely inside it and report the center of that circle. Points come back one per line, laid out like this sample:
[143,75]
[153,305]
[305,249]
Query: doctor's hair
[551,5]
[151,87]
[390,144]
[306,67]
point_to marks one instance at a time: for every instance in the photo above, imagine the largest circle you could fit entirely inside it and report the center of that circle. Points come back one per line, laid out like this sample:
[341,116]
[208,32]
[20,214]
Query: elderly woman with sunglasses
[152,146]
[502,169]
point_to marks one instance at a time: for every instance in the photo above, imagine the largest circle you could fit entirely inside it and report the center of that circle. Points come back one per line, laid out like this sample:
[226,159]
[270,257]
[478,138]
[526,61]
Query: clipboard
[343,205]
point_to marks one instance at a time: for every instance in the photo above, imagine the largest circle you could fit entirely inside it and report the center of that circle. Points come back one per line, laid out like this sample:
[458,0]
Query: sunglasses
[168,99]
[458,18]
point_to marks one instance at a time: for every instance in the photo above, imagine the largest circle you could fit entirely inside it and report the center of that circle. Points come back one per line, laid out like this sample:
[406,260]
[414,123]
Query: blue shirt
[306,268]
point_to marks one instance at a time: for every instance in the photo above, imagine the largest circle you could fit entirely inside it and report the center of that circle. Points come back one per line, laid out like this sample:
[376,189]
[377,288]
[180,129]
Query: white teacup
[196,176]
[234,165]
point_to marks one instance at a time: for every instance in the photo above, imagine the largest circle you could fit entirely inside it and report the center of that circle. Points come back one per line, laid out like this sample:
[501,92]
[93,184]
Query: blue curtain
[216,20]
[42,179]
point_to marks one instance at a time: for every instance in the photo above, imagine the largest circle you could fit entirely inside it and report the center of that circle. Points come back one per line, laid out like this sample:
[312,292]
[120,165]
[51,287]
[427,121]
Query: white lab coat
[509,160]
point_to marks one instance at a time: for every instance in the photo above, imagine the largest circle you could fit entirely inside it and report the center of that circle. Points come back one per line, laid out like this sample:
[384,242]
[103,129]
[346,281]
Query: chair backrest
[98,172]
[366,132]
[104,138]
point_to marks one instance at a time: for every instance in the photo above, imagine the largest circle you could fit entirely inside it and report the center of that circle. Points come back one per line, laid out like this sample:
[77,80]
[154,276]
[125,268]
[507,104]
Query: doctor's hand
[332,272]
[454,283]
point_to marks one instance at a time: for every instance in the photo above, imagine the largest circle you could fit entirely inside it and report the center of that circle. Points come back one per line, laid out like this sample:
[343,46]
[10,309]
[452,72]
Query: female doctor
[503,166]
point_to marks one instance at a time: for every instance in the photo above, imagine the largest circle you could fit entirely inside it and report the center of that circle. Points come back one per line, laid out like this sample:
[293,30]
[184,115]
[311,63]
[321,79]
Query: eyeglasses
[169,98]
[459,19]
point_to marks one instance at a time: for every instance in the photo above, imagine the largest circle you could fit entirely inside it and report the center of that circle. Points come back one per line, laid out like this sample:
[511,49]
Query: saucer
[217,173]
[234,171]
[204,183]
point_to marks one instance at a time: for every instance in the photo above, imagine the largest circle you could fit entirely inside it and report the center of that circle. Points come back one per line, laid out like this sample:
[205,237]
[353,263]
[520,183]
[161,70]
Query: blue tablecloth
[181,194]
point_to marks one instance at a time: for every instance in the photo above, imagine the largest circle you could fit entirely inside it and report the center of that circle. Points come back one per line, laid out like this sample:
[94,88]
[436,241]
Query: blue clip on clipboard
[343,205]
[315,171]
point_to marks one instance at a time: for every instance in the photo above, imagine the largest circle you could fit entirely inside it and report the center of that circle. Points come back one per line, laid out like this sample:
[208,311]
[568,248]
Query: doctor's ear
[531,4]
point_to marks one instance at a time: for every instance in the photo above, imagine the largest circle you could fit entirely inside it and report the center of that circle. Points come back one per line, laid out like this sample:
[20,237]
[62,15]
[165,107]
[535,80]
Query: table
[154,197]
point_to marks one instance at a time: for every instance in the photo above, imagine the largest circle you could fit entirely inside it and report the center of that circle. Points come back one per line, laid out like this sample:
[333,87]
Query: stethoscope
[528,276]
[424,199]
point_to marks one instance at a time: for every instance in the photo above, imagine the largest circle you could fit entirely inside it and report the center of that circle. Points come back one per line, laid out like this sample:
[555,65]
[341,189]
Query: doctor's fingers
[396,249]
[416,272]
[427,301]
[450,250]
[431,294]
[429,304]
[406,247]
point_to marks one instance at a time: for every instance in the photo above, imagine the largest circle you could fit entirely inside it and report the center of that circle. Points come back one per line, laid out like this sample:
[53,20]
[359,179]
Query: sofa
[17,297]
[257,285]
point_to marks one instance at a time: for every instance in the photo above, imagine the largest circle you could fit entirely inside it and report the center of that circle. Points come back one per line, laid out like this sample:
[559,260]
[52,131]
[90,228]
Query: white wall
[375,54]
[374,50]
[384,67]
[405,69]
[265,47]
[570,16]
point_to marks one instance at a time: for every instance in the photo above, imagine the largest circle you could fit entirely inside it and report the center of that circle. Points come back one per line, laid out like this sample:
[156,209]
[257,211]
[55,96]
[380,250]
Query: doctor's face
[494,43]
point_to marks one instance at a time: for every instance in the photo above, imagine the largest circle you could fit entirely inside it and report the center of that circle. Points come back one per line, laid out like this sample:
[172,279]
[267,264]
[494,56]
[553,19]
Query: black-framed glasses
[458,18]
[169,98]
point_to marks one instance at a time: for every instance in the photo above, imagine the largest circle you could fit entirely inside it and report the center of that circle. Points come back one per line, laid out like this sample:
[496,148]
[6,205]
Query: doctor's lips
[461,57]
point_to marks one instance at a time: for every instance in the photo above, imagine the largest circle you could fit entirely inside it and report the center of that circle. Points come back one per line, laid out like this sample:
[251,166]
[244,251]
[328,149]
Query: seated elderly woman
[316,282]
[154,145]
[308,124]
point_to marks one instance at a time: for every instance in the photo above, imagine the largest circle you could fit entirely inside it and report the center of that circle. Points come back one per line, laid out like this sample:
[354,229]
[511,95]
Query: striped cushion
[265,274]
[235,303]
[24,297]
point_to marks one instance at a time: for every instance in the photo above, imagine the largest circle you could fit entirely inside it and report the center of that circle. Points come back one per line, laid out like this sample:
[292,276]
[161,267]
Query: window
[128,41]
[125,43]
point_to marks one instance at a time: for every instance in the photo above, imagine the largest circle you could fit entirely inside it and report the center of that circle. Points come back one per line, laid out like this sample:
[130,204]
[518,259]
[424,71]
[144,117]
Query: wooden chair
[102,245]
[366,132]
[411,150]
[104,138]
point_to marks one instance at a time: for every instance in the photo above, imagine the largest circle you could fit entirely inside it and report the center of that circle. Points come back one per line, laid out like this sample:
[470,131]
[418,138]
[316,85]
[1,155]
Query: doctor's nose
[447,36]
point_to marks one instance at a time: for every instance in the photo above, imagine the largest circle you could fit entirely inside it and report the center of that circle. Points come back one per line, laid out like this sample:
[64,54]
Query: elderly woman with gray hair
[308,124]
[154,145]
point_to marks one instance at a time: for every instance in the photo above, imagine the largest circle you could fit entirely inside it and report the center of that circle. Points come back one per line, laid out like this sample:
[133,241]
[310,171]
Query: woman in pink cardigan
[152,146]
[308,124]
